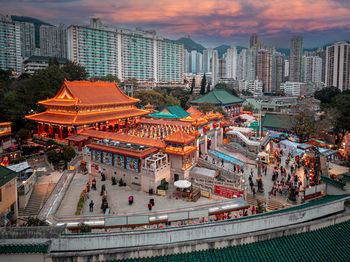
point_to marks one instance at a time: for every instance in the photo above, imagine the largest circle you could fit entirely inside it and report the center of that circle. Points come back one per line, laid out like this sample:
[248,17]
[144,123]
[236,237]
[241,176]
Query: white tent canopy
[182,184]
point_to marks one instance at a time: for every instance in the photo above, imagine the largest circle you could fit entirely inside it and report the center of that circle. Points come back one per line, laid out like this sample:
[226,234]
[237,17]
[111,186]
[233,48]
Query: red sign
[227,192]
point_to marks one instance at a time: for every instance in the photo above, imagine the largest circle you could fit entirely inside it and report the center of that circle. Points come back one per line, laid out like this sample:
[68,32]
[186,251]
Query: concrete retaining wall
[185,239]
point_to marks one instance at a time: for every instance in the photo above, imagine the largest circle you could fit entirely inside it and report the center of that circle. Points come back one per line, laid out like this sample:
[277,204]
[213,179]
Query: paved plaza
[117,198]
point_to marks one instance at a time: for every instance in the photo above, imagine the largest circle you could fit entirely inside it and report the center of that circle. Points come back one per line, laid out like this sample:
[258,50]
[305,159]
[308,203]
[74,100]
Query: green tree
[325,95]
[208,88]
[35,222]
[108,78]
[84,228]
[206,107]
[193,84]
[150,96]
[203,85]
[341,103]
[68,153]
[22,134]
[171,101]
[53,157]
[304,126]
[74,72]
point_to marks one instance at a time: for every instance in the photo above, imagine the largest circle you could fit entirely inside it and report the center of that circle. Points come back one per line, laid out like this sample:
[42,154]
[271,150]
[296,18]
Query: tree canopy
[325,95]
[203,85]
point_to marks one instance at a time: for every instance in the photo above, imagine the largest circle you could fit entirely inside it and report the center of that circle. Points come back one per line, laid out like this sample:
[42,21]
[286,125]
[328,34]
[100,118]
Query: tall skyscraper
[199,63]
[296,52]
[322,53]
[222,68]
[207,54]
[242,65]
[312,70]
[27,39]
[252,54]
[254,41]
[264,70]
[193,61]
[186,61]
[131,55]
[214,65]
[231,63]
[277,71]
[10,44]
[338,65]
[53,40]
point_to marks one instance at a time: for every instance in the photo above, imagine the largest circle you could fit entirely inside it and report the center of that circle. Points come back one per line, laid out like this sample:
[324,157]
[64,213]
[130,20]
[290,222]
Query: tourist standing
[91,206]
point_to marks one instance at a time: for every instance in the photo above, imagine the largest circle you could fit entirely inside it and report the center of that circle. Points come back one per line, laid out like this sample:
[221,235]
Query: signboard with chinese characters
[5,128]
[227,192]
[132,164]
[119,160]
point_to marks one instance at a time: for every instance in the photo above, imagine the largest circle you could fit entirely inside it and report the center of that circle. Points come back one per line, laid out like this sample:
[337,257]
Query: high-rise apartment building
[10,44]
[214,67]
[277,71]
[242,65]
[286,69]
[264,70]
[95,48]
[186,61]
[254,41]
[296,52]
[222,68]
[27,39]
[193,61]
[338,65]
[312,70]
[252,54]
[131,55]
[199,63]
[53,40]
[231,62]
[207,54]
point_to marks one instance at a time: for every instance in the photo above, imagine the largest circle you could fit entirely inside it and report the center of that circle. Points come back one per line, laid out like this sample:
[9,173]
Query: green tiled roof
[30,248]
[326,244]
[333,182]
[171,112]
[218,96]
[346,177]
[278,121]
[6,175]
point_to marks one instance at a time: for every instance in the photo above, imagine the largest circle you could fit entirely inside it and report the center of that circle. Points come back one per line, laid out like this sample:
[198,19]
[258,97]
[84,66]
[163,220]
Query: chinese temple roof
[218,97]
[179,137]
[86,93]
[85,118]
[124,151]
[172,112]
[123,138]
[180,151]
[194,112]
[157,121]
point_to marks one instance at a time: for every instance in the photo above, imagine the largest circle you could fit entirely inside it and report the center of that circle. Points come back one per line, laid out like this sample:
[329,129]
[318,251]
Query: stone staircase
[39,195]
[271,203]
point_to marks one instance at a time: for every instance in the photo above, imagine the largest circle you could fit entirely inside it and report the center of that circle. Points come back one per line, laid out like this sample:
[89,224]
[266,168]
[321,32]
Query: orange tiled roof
[179,137]
[179,150]
[124,151]
[157,121]
[89,93]
[85,118]
[194,112]
[123,138]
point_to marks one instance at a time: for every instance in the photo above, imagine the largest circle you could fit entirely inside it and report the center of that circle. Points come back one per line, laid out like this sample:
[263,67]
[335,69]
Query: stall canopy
[291,147]
[338,170]
[182,184]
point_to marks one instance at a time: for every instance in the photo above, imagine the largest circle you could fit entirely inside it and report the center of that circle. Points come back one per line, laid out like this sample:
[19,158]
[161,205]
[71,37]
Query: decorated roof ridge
[5,123]
[180,137]
[218,96]
[181,151]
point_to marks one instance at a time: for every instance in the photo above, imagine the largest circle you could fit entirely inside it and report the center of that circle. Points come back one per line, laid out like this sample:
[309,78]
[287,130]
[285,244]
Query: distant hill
[37,23]
[190,45]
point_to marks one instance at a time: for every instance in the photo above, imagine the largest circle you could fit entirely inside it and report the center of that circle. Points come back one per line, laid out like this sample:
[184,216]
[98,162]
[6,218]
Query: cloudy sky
[209,22]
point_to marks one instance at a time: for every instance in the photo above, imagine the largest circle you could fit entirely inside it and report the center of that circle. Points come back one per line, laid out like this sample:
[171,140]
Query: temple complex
[231,104]
[83,104]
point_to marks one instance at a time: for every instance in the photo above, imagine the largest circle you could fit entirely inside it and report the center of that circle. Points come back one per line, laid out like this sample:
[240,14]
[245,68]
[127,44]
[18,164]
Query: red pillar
[79,146]
[39,131]
[43,128]
[61,134]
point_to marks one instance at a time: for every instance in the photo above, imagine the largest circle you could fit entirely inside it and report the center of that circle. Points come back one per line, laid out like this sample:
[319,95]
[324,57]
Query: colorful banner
[96,155]
[227,192]
[118,160]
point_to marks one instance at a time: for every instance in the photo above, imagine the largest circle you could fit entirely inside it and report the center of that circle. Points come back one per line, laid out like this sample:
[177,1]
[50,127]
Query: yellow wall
[8,196]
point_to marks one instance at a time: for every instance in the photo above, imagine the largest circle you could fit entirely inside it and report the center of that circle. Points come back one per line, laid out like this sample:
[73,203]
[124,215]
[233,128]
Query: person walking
[222,162]
[91,206]
[254,192]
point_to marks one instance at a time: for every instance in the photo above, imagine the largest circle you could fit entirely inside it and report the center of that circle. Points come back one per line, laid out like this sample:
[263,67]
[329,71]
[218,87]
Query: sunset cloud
[208,20]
